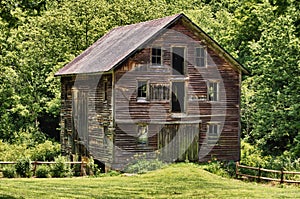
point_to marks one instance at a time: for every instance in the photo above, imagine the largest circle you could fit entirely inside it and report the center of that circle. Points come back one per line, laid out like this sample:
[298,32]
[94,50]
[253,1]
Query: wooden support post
[34,167]
[259,174]
[237,170]
[83,168]
[281,175]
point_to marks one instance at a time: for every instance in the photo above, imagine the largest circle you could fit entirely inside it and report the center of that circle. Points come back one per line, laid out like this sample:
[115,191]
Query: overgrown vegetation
[39,37]
[142,164]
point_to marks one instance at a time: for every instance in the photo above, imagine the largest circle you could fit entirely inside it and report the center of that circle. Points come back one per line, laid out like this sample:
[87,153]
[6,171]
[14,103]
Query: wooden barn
[163,88]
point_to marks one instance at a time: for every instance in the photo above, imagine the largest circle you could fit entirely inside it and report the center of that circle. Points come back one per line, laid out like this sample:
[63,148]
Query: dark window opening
[213,91]
[159,92]
[200,57]
[178,97]
[142,89]
[156,56]
[178,60]
[105,91]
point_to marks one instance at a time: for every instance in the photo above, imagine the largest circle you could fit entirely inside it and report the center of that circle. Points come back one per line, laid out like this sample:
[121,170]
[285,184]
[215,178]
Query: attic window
[200,57]
[156,56]
[178,60]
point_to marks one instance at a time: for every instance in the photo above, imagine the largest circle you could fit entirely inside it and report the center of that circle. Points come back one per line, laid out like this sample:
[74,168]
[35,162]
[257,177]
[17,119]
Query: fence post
[82,168]
[34,167]
[281,175]
[237,170]
[259,173]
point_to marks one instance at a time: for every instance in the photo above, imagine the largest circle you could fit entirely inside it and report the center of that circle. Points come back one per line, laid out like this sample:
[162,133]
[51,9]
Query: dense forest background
[40,36]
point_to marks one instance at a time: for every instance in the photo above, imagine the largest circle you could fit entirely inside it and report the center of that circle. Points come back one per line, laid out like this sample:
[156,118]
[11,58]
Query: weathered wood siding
[130,112]
[86,116]
[114,115]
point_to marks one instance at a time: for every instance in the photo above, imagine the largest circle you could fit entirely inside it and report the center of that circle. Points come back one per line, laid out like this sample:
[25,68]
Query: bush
[23,167]
[216,167]
[43,171]
[60,168]
[9,172]
[46,151]
[92,168]
[12,152]
[141,165]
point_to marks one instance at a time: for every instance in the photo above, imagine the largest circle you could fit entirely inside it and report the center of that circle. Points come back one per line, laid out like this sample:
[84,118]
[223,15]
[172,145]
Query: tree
[274,87]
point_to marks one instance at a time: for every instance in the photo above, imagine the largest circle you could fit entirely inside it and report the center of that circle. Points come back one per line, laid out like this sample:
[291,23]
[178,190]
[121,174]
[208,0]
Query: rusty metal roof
[121,42]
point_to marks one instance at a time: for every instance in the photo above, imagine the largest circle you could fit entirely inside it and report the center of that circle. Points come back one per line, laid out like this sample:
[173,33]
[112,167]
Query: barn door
[179,142]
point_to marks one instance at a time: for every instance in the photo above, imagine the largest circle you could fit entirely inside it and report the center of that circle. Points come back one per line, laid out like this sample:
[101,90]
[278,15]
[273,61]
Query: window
[213,134]
[178,60]
[178,97]
[142,90]
[156,56]
[213,129]
[200,57]
[142,134]
[213,91]
[105,85]
[159,92]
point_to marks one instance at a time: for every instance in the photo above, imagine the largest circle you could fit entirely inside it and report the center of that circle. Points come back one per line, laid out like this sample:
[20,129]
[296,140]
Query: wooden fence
[35,163]
[260,176]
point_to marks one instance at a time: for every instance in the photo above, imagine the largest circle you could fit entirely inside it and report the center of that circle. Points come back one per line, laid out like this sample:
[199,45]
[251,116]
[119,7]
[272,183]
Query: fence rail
[35,163]
[260,177]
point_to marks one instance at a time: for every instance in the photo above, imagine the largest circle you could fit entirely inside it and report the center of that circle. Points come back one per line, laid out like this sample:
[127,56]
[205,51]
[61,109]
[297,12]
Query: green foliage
[60,168]
[9,172]
[40,36]
[141,164]
[43,171]
[220,168]
[46,151]
[112,173]
[252,156]
[23,167]
[92,168]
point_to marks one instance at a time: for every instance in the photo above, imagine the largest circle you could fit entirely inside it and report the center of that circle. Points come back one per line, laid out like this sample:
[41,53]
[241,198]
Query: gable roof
[121,42]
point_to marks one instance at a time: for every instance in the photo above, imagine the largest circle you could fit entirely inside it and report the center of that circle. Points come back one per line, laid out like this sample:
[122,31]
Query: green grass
[175,181]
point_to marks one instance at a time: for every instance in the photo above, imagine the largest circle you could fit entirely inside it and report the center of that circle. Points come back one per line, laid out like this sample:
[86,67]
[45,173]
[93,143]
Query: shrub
[92,168]
[23,167]
[46,151]
[60,168]
[141,164]
[216,167]
[43,171]
[9,172]
[12,152]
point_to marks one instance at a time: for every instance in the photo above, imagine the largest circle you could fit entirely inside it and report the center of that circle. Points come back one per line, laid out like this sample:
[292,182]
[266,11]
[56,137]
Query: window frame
[213,138]
[184,60]
[142,134]
[156,56]
[217,83]
[204,57]
[184,95]
[141,98]
[164,92]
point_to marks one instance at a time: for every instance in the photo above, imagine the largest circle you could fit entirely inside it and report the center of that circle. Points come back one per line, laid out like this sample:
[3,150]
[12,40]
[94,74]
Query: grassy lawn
[175,181]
